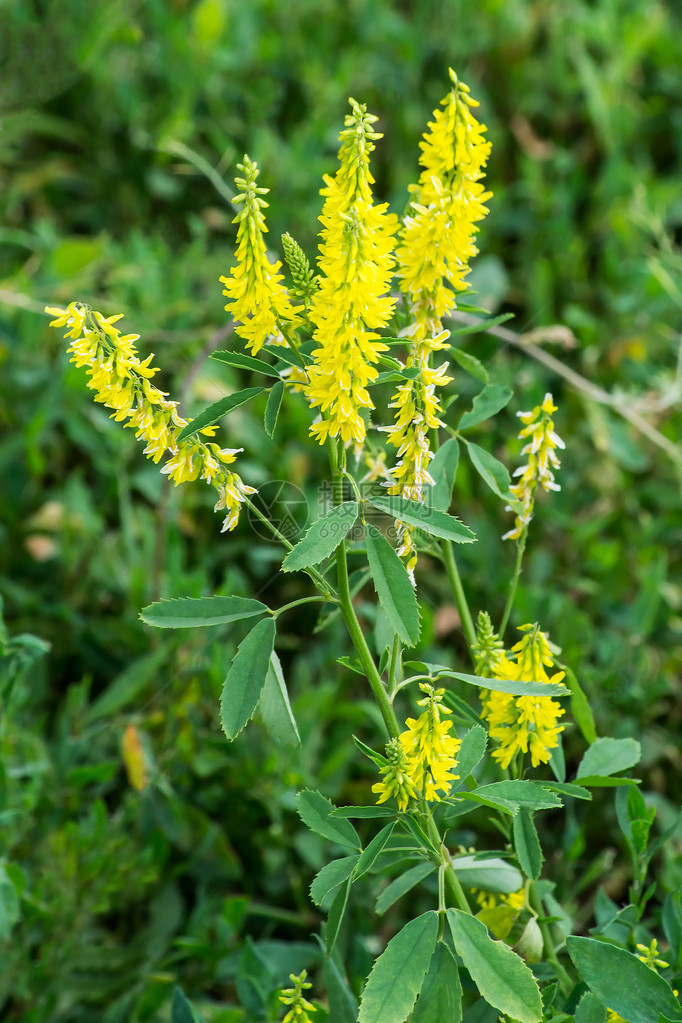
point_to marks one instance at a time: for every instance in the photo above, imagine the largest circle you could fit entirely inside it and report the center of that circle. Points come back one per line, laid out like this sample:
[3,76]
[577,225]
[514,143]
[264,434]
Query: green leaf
[470,364]
[363,812]
[440,1000]
[196,612]
[470,752]
[443,470]
[215,412]
[492,399]
[336,914]
[431,520]
[323,537]
[622,982]
[527,844]
[609,756]
[599,781]
[493,473]
[328,879]
[491,873]
[501,977]
[580,706]
[527,795]
[182,1010]
[316,813]
[516,688]
[398,974]
[246,362]
[288,355]
[402,885]
[393,587]
[590,1010]
[343,1007]
[373,851]
[272,407]
[246,678]
[127,686]
[376,758]
[274,706]
[567,788]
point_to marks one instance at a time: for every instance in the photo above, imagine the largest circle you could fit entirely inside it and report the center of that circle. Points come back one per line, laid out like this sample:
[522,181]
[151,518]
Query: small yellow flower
[257,299]
[524,724]
[397,782]
[431,752]
[123,383]
[352,301]
[293,996]
[490,900]
[543,442]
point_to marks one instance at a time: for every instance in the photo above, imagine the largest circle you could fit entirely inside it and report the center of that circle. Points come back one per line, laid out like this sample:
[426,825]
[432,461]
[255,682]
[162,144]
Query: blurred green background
[121,124]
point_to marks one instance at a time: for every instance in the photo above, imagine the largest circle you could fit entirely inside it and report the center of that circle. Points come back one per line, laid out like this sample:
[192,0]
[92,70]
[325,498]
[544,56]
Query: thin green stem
[547,940]
[452,884]
[521,547]
[458,593]
[303,600]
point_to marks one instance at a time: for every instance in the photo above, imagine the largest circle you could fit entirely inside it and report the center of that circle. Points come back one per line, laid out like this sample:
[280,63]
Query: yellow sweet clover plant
[376,309]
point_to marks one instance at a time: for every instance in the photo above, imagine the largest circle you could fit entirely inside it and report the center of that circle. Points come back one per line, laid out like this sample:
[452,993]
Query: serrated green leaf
[600,781]
[323,537]
[527,844]
[272,407]
[513,686]
[363,812]
[274,706]
[491,873]
[470,752]
[470,364]
[590,1010]
[501,977]
[603,967]
[245,679]
[402,885]
[491,400]
[369,855]
[431,520]
[529,795]
[580,706]
[246,362]
[440,999]
[371,754]
[336,915]
[443,470]
[328,879]
[197,612]
[393,587]
[288,355]
[215,412]
[608,756]
[493,473]
[316,813]
[398,974]
[567,788]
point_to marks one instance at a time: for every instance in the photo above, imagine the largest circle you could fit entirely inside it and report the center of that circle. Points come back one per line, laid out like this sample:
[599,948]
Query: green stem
[394,667]
[547,940]
[515,580]
[452,885]
[302,600]
[458,592]
[360,644]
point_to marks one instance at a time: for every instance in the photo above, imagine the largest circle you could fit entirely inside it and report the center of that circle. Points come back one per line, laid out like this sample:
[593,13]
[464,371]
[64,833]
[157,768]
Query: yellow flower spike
[436,244]
[123,383]
[431,752]
[397,782]
[543,441]
[524,724]
[257,299]
[293,996]
[352,301]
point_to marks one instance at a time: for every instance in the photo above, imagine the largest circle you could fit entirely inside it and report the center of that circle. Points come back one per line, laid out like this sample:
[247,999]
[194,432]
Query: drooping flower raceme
[524,724]
[123,383]
[258,302]
[435,246]
[422,759]
[543,441]
[352,301]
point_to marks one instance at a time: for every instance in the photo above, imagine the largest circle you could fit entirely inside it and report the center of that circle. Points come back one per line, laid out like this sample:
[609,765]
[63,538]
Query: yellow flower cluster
[293,996]
[436,244]
[490,900]
[422,759]
[543,441]
[123,383]
[257,299]
[522,724]
[352,301]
